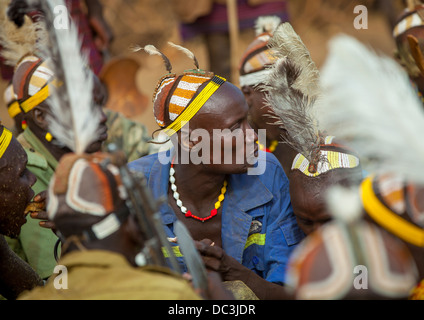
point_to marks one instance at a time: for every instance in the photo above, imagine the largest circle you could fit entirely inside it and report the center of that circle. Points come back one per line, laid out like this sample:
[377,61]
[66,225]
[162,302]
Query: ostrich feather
[18,42]
[291,89]
[187,52]
[266,24]
[369,102]
[286,43]
[152,50]
[74,119]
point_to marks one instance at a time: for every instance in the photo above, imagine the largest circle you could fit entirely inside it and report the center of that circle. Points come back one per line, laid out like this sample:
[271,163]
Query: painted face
[232,141]
[15,189]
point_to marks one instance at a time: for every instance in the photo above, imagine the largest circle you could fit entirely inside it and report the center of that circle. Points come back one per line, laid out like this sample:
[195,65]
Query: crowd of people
[266,190]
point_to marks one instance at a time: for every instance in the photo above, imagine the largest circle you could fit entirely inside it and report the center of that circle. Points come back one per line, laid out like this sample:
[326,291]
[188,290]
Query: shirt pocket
[291,231]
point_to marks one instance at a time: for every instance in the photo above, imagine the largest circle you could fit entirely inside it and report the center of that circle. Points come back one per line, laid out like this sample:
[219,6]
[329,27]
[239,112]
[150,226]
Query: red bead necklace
[183,209]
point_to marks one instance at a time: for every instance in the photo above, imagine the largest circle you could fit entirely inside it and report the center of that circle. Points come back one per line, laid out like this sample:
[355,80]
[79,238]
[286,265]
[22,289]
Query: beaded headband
[31,82]
[331,160]
[258,56]
[5,139]
[388,219]
[10,100]
[173,97]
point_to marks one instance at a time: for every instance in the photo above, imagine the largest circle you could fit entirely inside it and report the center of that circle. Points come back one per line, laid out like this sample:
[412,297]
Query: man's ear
[247,91]
[39,117]
[186,140]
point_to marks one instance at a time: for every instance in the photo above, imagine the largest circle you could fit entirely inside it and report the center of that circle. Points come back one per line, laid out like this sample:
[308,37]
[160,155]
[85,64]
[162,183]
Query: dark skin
[127,240]
[200,185]
[16,275]
[261,117]
[38,124]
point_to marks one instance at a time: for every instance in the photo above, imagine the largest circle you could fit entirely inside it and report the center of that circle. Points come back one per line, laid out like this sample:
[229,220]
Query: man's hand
[42,215]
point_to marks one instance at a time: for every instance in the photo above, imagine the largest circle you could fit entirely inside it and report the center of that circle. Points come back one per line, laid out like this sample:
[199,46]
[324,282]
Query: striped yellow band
[5,139]
[175,249]
[35,100]
[388,219]
[195,106]
[14,109]
[256,238]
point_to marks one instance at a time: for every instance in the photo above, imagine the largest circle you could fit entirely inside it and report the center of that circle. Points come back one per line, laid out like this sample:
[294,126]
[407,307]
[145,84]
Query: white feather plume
[368,101]
[266,24]
[75,119]
[187,52]
[291,89]
[286,43]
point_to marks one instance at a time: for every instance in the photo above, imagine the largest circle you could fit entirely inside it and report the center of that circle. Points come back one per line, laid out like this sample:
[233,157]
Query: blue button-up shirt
[259,228]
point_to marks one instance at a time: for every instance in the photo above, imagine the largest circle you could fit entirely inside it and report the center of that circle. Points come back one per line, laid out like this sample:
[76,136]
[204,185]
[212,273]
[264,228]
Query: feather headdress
[291,88]
[369,102]
[74,120]
[18,42]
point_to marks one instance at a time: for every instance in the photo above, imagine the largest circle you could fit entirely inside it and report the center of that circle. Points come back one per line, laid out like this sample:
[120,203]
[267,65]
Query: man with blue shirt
[243,222]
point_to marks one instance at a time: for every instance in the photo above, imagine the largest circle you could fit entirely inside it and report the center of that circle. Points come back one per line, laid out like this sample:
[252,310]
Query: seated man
[280,83]
[15,194]
[101,238]
[243,218]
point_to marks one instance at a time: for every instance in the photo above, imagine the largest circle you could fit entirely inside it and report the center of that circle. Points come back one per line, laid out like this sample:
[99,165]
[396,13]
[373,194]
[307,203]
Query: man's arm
[230,269]
[16,276]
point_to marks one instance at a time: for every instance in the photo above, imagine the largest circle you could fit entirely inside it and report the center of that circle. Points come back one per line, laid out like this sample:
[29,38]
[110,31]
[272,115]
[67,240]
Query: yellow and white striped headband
[5,139]
[188,113]
[335,160]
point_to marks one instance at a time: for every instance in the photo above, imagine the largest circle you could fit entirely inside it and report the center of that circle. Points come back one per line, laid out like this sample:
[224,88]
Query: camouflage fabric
[129,136]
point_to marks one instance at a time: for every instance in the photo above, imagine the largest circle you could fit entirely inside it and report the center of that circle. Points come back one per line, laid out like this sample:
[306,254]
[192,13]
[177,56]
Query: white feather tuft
[267,24]
[186,51]
[152,50]
[368,101]
[286,43]
[291,89]
[344,204]
[74,119]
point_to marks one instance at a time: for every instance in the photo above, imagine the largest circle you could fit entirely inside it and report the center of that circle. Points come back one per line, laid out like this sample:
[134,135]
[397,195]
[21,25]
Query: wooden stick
[233,24]
[416,52]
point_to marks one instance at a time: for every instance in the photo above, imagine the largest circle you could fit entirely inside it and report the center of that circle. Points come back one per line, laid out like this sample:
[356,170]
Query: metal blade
[192,258]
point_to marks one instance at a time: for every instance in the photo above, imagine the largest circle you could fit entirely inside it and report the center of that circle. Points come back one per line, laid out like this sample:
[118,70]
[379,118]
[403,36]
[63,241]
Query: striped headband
[333,160]
[388,219]
[31,82]
[323,266]
[5,139]
[181,110]
[174,98]
[415,19]
[258,56]
[10,100]
[76,174]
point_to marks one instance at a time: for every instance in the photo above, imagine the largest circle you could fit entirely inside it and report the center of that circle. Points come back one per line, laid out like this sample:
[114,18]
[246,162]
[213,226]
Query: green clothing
[104,275]
[35,244]
[129,136]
